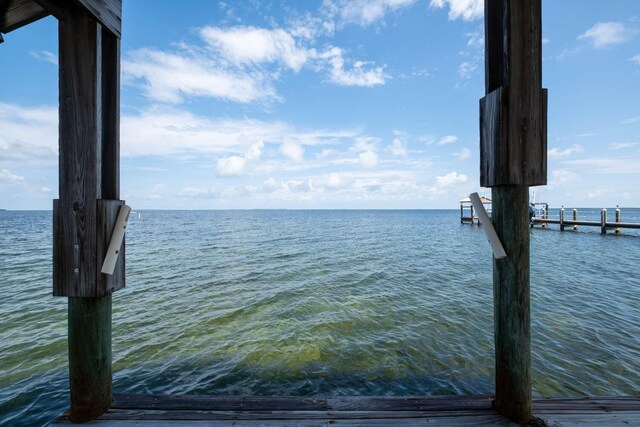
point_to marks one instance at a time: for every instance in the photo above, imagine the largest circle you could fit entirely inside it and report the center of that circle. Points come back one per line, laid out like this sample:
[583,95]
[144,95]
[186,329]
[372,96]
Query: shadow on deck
[130,410]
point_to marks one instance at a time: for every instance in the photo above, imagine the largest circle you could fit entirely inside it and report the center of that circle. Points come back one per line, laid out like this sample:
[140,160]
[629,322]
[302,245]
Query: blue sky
[328,104]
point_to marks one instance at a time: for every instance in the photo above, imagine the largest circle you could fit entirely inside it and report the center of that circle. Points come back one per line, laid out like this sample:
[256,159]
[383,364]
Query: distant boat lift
[465,205]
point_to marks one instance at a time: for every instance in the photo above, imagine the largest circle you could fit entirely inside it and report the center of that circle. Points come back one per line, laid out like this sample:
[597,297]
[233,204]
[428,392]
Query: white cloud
[197,193]
[46,56]
[605,34]
[451,179]
[397,148]
[467,69]
[622,145]
[45,190]
[363,12]
[231,166]
[242,45]
[463,154]
[360,73]
[333,181]
[255,151]
[292,150]
[234,166]
[631,120]
[448,139]
[561,177]
[608,165]
[635,59]
[28,133]
[556,153]
[368,159]
[170,77]
[270,184]
[8,177]
[467,10]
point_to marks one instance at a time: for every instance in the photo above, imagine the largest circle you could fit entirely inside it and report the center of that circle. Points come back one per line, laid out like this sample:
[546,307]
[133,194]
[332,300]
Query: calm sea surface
[321,303]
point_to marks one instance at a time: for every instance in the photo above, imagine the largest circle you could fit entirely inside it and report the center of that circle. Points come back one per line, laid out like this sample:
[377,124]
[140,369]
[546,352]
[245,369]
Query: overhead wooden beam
[106,12]
[18,13]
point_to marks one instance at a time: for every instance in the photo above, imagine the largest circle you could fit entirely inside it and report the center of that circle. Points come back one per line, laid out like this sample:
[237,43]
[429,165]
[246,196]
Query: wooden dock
[603,224]
[141,410]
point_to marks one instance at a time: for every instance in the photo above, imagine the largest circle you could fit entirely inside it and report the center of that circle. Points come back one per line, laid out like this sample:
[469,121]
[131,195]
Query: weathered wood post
[603,221]
[472,214]
[575,218]
[562,218]
[89,185]
[84,216]
[461,213]
[513,150]
[545,214]
[618,219]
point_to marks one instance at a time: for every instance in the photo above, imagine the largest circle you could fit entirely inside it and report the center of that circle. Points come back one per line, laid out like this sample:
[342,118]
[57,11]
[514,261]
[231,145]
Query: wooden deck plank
[163,410]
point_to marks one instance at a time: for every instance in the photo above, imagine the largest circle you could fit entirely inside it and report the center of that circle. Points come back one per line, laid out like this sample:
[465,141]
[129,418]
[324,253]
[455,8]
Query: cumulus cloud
[451,179]
[368,159]
[631,120]
[251,45]
[556,153]
[362,12]
[8,177]
[463,154]
[171,76]
[467,10]
[360,74]
[28,133]
[606,34]
[635,59]
[231,166]
[234,166]
[292,150]
[397,148]
[448,139]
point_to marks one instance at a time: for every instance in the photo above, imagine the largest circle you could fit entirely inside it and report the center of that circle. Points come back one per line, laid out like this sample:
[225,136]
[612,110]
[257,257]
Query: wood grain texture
[358,410]
[106,12]
[107,216]
[79,156]
[18,13]
[89,357]
[513,115]
[511,301]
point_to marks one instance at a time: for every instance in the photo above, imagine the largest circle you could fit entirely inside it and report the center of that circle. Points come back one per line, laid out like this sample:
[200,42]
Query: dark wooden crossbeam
[18,13]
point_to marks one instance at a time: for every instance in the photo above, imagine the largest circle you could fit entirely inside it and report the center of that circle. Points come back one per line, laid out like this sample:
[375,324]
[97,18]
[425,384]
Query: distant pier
[467,208]
[617,225]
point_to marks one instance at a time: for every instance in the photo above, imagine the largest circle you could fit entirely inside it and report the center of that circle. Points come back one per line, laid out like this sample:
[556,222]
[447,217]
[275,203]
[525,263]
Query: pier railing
[604,225]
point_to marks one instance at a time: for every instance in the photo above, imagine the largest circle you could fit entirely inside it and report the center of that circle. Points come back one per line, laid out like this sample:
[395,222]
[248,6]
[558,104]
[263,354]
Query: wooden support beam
[513,64]
[18,13]
[89,57]
[107,12]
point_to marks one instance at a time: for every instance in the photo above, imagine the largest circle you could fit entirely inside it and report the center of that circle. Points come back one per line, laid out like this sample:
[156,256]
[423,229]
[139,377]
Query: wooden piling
[562,219]
[575,218]
[89,357]
[512,157]
[89,58]
[603,221]
[618,219]
[545,214]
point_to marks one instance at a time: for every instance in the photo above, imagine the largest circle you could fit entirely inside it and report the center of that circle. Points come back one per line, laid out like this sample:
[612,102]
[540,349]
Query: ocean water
[321,303]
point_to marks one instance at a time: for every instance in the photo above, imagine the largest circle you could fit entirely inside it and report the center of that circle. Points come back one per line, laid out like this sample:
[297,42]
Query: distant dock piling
[604,224]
